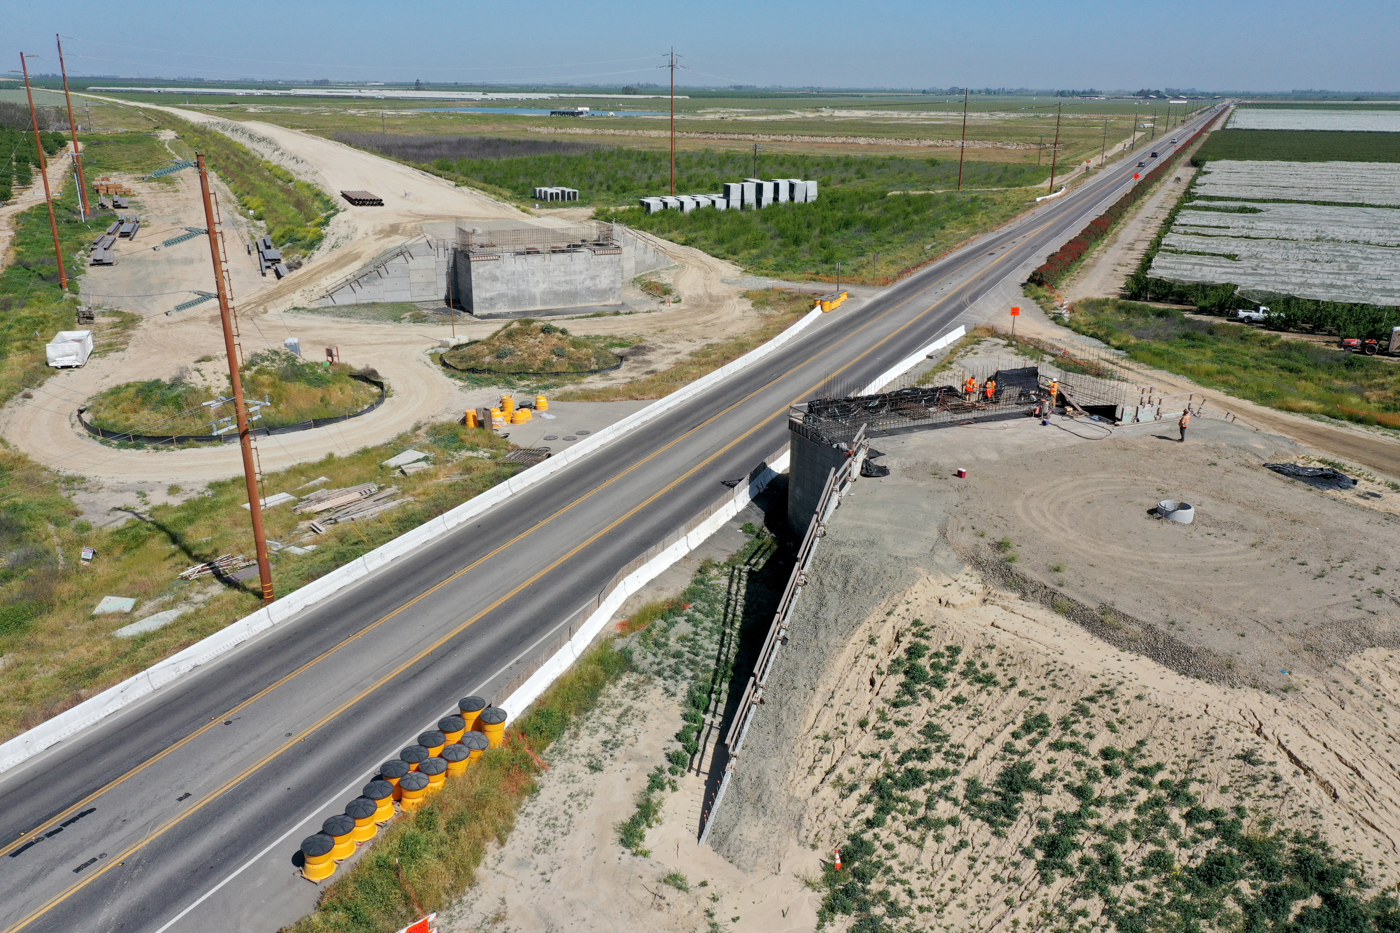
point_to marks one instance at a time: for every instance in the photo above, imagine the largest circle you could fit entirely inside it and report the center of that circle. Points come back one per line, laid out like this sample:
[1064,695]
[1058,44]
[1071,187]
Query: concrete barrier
[912,360]
[117,697]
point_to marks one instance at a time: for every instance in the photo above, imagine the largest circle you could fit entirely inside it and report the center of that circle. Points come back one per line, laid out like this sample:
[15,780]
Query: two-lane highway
[183,811]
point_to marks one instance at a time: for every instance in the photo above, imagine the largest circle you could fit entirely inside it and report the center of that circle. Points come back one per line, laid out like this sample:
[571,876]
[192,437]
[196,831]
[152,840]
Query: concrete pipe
[317,863]
[436,770]
[393,771]
[415,755]
[363,811]
[477,743]
[470,708]
[433,741]
[493,723]
[1180,512]
[382,793]
[341,828]
[458,758]
[414,788]
[452,728]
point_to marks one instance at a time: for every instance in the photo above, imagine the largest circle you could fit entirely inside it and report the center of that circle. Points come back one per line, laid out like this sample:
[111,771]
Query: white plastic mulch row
[1374,183]
[1326,271]
[1379,226]
[1375,121]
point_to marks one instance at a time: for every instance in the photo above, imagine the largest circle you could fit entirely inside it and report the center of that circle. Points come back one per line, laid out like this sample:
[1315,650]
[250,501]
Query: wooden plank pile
[323,499]
[223,566]
[351,504]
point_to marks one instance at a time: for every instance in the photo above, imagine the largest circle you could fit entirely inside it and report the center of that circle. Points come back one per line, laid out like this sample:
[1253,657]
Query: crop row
[1376,121]
[1376,184]
[1377,226]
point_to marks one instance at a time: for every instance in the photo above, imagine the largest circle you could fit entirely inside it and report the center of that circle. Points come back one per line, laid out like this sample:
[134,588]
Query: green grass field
[1259,365]
[1299,146]
[528,347]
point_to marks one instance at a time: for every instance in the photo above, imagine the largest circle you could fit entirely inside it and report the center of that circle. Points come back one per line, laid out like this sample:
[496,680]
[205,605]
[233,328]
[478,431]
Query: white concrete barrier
[538,682]
[910,361]
[109,701]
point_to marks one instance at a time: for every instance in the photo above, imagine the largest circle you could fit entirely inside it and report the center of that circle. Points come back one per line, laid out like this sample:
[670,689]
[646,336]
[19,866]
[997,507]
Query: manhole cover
[584,433]
[551,437]
[570,437]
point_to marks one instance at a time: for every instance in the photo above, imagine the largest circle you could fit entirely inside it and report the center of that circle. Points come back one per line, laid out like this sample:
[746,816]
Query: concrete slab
[149,624]
[115,604]
[574,420]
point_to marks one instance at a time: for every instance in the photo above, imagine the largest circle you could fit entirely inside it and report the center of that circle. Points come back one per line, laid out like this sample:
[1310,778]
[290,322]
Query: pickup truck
[1257,317]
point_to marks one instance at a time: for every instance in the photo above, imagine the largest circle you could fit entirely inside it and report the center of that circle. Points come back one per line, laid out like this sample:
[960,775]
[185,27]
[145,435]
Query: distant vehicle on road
[1370,346]
[1142,165]
[1258,317]
[1173,141]
[1154,155]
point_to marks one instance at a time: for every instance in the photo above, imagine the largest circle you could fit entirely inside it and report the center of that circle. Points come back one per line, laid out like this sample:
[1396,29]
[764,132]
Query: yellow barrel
[458,758]
[433,741]
[498,420]
[317,863]
[507,405]
[452,728]
[471,708]
[341,828]
[436,770]
[393,771]
[541,403]
[477,743]
[521,416]
[471,420]
[363,811]
[382,793]
[414,788]
[415,755]
[493,724]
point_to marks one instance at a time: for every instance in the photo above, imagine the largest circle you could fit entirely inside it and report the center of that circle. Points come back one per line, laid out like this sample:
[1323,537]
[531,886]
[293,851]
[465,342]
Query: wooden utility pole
[1055,149]
[44,174]
[962,147]
[1103,150]
[1154,124]
[672,65]
[755,160]
[240,408]
[77,153]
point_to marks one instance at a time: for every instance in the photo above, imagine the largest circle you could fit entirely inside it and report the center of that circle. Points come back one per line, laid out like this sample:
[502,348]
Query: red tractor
[1370,346]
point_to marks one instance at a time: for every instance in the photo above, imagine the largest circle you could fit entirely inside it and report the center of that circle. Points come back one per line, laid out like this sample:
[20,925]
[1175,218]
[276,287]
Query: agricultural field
[1310,230]
[1299,146]
[1382,121]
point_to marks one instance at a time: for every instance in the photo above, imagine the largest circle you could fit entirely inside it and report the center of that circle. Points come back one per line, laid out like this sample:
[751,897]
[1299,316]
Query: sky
[1235,45]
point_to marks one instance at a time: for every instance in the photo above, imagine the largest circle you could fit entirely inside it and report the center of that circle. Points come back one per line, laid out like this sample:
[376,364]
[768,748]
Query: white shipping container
[70,349]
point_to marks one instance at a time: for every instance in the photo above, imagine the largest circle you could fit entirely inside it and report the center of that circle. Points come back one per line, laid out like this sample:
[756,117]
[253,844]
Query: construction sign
[425,925]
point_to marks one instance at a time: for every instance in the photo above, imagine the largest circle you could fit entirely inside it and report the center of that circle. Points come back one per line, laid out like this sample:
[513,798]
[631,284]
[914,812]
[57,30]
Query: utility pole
[1154,124]
[1055,149]
[755,160]
[1103,150]
[962,147]
[1040,149]
[383,127]
[240,408]
[77,153]
[672,65]
[44,174]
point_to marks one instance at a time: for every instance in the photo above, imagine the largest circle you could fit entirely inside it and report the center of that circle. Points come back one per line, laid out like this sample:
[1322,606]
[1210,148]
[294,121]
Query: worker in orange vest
[1054,392]
[991,388]
[1182,424]
[970,388]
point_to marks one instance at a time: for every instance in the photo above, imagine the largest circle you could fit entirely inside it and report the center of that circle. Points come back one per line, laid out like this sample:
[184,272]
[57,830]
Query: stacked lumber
[354,509]
[105,185]
[324,499]
[223,566]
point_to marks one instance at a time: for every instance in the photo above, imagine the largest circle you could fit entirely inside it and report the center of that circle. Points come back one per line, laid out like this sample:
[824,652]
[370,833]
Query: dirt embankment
[959,780]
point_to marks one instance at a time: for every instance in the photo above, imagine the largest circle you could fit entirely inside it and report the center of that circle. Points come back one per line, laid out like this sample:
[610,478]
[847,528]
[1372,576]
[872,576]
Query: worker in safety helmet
[970,388]
[1182,424]
[1054,392]
[991,389]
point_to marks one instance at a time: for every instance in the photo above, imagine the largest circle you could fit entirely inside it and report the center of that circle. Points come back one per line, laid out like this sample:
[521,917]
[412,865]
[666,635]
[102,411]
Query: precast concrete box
[797,191]
[651,205]
[718,202]
[672,204]
[766,192]
[750,189]
[701,200]
[811,190]
[687,203]
[780,190]
[734,194]
[505,282]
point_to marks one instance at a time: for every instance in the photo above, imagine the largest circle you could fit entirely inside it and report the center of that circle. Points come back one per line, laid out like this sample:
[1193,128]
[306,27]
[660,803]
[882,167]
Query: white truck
[1256,317]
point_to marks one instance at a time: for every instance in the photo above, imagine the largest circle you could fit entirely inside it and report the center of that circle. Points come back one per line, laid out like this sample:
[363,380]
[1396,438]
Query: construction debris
[363,198]
[408,456]
[149,624]
[368,507]
[115,604]
[1317,476]
[222,566]
[324,499]
[276,499]
[408,469]
[527,456]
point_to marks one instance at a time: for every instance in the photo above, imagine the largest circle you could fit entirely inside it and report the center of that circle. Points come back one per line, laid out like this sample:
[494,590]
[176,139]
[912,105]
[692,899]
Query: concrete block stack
[749,194]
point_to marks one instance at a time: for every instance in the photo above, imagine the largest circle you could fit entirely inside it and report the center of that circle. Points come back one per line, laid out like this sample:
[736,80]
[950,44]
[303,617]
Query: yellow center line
[233,782]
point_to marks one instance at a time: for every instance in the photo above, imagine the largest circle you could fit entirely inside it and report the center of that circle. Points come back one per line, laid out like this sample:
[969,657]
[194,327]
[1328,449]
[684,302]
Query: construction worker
[991,388]
[1185,420]
[1054,392]
[970,388]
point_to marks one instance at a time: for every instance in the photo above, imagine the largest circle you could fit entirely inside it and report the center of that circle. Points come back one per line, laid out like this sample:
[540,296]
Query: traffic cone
[838,859]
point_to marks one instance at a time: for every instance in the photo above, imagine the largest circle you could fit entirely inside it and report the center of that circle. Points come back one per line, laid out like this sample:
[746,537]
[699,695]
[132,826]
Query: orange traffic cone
[838,859]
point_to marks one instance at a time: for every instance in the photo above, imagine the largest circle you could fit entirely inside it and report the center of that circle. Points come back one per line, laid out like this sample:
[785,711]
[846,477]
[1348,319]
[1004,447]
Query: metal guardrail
[838,481]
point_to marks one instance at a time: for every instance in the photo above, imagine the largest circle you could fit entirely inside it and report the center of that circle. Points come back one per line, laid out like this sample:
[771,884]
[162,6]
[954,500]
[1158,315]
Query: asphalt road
[184,811]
